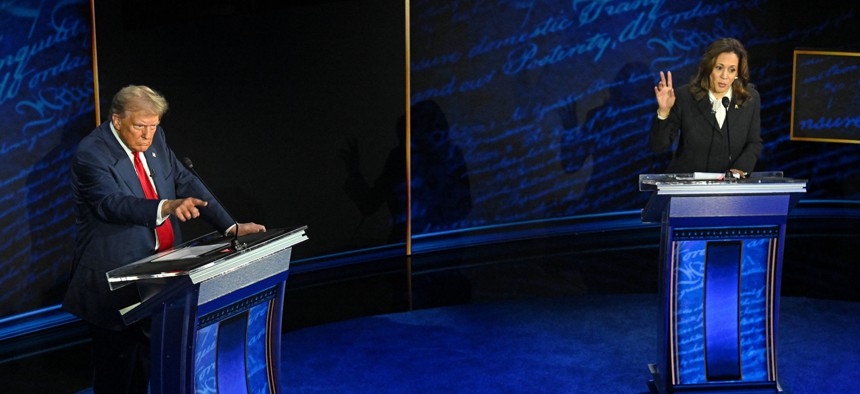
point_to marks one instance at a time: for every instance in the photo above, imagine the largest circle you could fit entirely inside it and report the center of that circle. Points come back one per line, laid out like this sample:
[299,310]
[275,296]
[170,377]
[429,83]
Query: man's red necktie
[165,230]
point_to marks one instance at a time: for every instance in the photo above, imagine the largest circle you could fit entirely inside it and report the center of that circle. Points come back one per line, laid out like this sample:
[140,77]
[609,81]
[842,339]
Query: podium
[215,311]
[720,261]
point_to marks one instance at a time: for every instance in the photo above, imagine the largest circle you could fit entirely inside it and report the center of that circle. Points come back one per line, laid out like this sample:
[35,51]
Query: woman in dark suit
[696,115]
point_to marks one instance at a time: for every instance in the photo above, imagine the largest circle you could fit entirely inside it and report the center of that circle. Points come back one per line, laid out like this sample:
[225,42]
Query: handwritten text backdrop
[46,102]
[551,101]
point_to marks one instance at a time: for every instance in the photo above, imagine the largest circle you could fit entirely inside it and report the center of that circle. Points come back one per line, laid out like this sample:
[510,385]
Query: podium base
[656,385]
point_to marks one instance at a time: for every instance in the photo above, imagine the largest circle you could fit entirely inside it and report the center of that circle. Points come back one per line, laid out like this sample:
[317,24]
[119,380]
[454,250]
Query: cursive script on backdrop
[46,103]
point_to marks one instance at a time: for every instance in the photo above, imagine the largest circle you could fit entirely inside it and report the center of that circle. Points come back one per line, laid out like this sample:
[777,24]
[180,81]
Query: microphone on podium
[726,104]
[237,246]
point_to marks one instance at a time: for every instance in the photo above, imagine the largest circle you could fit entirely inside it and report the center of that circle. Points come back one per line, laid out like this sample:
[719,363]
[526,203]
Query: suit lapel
[129,175]
[705,107]
[121,163]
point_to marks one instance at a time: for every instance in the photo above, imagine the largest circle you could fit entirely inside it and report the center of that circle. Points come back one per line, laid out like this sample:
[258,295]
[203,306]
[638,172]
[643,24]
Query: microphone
[237,246]
[726,103]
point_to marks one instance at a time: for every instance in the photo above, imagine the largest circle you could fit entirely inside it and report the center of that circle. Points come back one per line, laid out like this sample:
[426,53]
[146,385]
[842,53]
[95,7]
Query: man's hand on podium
[248,228]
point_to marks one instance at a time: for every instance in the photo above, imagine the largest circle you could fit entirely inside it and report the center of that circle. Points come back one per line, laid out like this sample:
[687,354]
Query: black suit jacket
[702,144]
[115,222]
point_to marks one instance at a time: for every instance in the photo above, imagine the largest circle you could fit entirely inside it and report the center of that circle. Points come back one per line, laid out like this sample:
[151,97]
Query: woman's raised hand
[665,94]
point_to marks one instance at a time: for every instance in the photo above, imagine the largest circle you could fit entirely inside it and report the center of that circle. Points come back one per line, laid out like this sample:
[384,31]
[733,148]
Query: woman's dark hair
[701,83]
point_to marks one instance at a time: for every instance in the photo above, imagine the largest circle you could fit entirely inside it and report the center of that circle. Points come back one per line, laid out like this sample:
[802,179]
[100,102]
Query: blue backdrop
[522,110]
[550,102]
[46,102]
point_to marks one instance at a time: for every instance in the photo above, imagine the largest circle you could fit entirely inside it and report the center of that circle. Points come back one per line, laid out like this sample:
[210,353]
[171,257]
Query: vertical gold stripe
[672,293]
[771,305]
[95,61]
[793,83]
[272,373]
[769,308]
[408,141]
[408,161]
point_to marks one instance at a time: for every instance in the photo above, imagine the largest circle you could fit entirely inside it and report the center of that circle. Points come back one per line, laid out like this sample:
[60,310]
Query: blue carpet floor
[591,344]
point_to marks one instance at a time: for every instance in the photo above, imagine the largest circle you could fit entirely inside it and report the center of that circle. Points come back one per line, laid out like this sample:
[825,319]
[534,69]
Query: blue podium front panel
[258,353]
[234,348]
[216,321]
[204,367]
[231,368]
[721,254]
[721,314]
[722,310]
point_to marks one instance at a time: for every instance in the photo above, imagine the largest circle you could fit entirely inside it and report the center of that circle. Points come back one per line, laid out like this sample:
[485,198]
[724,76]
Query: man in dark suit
[130,193]
[695,114]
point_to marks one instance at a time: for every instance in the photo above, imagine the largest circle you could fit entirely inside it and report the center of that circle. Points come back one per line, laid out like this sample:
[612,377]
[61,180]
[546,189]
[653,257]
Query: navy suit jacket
[115,222]
[702,144]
